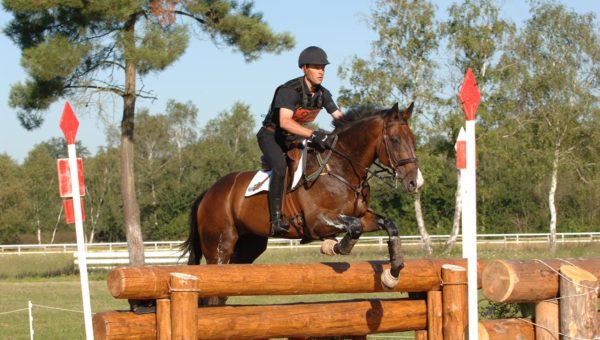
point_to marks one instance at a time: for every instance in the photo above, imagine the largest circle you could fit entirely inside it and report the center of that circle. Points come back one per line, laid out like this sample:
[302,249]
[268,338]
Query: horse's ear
[408,112]
[393,113]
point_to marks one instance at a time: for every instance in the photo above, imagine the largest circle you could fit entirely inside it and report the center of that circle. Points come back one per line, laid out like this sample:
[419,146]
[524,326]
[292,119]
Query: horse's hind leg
[354,231]
[248,248]
[218,248]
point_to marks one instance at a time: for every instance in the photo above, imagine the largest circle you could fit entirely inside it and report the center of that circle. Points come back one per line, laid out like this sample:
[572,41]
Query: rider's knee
[278,169]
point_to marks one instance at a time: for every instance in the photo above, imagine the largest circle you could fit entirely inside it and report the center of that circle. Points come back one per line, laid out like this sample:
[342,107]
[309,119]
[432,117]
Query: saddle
[293,156]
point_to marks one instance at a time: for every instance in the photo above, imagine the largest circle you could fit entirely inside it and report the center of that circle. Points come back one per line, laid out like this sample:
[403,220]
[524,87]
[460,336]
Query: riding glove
[321,138]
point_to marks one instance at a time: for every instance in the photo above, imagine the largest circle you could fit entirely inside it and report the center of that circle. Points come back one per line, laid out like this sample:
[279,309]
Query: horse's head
[397,148]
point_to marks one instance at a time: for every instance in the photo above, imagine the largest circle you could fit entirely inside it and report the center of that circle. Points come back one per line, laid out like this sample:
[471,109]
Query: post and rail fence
[482,239]
[109,255]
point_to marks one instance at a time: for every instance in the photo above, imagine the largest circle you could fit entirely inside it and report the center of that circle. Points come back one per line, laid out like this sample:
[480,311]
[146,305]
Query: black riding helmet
[312,55]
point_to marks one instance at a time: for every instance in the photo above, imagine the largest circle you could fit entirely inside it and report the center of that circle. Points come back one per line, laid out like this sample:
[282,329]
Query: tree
[79,47]
[39,170]
[400,69]
[555,71]
[13,201]
[476,34]
[101,202]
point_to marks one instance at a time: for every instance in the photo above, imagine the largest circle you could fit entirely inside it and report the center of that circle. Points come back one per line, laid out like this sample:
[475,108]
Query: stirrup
[279,227]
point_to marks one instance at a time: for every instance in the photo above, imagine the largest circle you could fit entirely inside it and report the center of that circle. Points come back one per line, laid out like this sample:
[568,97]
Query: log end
[498,281]
[482,332]
[116,282]
[577,274]
[100,326]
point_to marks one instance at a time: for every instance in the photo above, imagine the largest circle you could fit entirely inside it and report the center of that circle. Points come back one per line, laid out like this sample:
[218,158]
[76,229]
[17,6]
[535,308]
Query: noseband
[395,164]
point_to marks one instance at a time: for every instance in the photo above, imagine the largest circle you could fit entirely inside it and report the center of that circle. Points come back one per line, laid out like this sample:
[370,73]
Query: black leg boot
[278,226]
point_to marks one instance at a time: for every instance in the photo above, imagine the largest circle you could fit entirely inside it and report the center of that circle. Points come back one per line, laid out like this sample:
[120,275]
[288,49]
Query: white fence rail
[107,255]
[284,243]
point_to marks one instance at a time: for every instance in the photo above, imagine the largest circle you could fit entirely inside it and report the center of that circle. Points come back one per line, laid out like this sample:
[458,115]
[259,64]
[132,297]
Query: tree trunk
[551,195]
[38,224]
[421,223]
[457,213]
[131,209]
[56,224]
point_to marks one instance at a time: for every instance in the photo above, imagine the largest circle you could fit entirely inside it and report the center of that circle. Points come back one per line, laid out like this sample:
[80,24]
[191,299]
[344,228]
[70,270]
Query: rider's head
[312,61]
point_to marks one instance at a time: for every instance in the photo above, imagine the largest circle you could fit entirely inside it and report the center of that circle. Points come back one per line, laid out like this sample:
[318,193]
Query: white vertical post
[470,98]
[469,227]
[29,305]
[69,125]
[81,250]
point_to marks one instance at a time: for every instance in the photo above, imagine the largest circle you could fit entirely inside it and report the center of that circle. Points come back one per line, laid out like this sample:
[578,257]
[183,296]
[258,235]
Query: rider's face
[314,73]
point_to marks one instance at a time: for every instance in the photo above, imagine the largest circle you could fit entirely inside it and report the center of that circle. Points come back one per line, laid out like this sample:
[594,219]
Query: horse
[227,227]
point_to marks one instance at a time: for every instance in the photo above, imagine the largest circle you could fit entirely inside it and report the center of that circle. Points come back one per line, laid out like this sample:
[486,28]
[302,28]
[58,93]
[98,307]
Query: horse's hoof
[327,247]
[388,281]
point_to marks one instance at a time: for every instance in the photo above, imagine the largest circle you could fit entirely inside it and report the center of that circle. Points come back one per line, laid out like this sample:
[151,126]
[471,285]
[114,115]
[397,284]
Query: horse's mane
[356,114]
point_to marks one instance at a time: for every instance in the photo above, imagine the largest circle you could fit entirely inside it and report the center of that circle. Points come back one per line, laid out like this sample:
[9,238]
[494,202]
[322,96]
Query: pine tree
[76,47]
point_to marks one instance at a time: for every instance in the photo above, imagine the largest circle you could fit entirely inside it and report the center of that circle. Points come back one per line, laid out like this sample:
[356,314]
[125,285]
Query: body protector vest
[305,112]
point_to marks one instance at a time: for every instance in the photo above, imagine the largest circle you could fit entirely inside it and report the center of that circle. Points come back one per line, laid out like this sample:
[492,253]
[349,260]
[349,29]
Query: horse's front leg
[372,222]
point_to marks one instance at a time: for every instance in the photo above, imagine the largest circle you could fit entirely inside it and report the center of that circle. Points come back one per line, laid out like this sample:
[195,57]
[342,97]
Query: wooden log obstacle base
[348,318]
[565,294]
[528,280]
[441,314]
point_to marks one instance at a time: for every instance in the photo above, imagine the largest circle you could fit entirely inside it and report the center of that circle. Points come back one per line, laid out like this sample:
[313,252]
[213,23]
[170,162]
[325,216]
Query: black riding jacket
[295,95]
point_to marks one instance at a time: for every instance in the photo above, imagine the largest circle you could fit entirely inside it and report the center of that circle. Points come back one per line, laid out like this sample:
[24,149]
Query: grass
[51,280]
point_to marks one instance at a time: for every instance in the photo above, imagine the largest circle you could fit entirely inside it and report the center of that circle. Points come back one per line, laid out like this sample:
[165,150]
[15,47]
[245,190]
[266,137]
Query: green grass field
[51,281]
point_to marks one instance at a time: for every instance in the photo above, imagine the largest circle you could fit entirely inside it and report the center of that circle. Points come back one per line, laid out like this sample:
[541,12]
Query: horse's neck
[360,140]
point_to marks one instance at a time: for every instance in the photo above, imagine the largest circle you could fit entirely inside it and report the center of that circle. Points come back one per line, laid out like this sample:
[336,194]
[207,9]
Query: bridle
[392,169]
[395,164]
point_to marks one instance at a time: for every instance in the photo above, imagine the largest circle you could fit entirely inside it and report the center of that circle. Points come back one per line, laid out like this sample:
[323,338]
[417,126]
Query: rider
[295,103]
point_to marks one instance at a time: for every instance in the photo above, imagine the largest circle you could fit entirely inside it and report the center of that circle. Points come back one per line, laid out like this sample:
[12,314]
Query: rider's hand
[321,138]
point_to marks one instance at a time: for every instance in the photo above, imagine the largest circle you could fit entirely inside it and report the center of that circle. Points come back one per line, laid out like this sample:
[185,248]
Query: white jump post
[69,125]
[470,97]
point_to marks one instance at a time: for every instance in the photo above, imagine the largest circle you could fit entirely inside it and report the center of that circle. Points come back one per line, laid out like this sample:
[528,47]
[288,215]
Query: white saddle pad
[260,181]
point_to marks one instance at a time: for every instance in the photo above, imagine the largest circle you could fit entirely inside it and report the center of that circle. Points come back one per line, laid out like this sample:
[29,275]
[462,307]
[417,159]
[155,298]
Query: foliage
[539,87]
[132,37]
[500,311]
[13,201]
[74,46]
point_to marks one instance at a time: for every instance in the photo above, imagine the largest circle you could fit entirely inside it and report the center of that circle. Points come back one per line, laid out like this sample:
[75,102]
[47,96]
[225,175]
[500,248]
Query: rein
[391,170]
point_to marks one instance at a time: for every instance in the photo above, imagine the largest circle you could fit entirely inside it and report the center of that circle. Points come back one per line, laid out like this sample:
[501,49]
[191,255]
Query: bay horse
[227,227]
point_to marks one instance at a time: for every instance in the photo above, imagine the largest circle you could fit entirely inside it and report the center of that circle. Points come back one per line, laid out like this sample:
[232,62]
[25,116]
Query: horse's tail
[191,246]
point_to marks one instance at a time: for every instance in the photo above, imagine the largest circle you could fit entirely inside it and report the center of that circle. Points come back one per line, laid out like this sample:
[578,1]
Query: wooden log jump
[357,317]
[528,280]
[279,279]
[573,282]
[348,318]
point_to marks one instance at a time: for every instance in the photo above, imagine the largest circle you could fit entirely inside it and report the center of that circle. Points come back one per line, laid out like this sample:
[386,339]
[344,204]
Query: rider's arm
[288,124]
[337,114]
[330,105]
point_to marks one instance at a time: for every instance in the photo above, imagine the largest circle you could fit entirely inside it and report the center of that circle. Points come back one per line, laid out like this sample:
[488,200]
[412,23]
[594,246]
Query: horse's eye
[395,139]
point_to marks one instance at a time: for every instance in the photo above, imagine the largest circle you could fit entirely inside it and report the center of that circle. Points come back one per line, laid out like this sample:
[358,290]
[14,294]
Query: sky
[215,77]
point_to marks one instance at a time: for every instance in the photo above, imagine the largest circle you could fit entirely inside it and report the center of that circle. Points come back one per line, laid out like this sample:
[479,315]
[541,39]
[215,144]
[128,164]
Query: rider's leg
[276,158]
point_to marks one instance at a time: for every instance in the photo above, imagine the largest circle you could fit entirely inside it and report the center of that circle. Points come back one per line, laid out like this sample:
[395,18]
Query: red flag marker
[69,124]
[461,150]
[469,95]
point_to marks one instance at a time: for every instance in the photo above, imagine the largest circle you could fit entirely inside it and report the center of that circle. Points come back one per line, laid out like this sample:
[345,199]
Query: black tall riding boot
[278,226]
